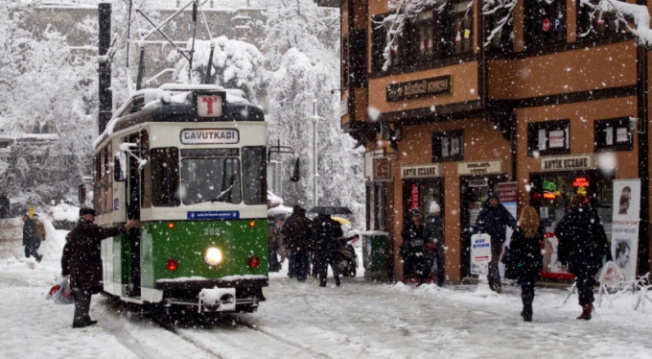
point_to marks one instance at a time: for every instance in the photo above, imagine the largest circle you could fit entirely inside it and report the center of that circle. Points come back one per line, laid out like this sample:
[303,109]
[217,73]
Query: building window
[548,138]
[462,24]
[434,34]
[545,22]
[448,146]
[344,75]
[593,24]
[613,135]
[502,40]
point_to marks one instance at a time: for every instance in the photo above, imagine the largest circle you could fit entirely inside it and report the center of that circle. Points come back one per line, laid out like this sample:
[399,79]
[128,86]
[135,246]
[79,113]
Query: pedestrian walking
[525,259]
[414,260]
[296,233]
[30,242]
[582,245]
[326,243]
[82,261]
[434,248]
[273,243]
[494,220]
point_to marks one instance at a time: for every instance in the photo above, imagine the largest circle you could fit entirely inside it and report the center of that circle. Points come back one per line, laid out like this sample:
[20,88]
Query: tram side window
[165,176]
[253,171]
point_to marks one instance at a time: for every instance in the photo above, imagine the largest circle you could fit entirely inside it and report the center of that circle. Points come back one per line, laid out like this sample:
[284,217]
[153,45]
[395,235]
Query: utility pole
[314,119]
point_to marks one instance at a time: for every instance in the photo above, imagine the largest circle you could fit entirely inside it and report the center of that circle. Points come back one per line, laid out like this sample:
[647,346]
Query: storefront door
[419,193]
[474,192]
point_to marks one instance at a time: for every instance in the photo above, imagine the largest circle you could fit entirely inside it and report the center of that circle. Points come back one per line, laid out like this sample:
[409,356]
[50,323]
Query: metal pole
[314,158]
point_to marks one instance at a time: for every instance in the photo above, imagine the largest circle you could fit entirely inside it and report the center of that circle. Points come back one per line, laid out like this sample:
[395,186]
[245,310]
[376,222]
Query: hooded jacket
[494,220]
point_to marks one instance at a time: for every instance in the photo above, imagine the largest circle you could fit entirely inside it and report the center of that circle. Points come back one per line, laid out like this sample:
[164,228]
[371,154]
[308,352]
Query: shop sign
[508,191]
[479,168]
[581,182]
[568,163]
[421,171]
[369,164]
[421,88]
[415,196]
[382,169]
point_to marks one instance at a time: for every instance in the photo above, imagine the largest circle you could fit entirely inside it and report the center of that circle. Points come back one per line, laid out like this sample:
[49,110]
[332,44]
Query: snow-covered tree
[235,64]
[302,48]
[48,112]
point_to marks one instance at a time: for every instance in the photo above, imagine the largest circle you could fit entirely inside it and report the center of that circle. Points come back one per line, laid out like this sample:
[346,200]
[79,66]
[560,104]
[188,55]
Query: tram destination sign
[433,86]
[568,163]
[204,136]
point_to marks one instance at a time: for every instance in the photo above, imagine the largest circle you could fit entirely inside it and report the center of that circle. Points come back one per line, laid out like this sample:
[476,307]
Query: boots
[586,312]
[527,312]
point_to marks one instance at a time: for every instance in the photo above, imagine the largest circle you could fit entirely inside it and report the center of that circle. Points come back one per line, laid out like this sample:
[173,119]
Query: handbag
[508,261]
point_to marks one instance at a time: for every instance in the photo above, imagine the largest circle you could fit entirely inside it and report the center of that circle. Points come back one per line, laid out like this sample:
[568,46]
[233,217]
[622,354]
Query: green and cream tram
[189,163]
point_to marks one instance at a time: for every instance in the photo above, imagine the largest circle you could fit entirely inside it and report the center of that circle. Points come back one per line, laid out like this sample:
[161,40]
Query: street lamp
[313,119]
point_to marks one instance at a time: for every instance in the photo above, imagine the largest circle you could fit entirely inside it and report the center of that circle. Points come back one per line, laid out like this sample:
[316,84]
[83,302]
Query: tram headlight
[213,256]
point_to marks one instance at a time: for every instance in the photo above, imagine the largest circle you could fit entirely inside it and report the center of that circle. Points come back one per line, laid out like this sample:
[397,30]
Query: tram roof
[174,103]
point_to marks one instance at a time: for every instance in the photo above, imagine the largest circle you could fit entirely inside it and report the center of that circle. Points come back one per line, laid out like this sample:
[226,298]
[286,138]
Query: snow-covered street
[360,319]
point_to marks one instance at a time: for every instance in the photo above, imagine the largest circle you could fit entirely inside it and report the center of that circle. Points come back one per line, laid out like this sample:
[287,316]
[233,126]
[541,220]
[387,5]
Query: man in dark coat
[493,220]
[582,244]
[296,233]
[82,261]
[434,249]
[412,251]
[326,243]
[30,241]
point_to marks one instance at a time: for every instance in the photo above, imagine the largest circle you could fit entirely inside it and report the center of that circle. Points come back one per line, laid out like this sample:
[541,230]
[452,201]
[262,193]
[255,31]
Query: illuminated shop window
[448,146]
[548,138]
[613,135]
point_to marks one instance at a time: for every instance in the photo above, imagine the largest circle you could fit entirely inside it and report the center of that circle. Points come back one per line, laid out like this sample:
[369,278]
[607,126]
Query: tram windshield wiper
[226,191]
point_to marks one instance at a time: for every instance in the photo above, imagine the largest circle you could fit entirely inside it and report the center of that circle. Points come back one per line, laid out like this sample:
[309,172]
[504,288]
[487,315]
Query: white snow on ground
[360,319]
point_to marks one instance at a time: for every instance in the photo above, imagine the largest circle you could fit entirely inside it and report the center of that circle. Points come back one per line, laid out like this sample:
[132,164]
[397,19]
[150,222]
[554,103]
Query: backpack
[39,230]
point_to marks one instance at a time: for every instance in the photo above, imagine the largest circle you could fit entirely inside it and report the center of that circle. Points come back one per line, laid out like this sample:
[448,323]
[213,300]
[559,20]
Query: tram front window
[210,180]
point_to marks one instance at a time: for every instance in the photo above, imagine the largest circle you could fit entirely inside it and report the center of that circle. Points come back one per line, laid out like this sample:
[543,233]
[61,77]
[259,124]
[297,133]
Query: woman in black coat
[525,260]
[582,244]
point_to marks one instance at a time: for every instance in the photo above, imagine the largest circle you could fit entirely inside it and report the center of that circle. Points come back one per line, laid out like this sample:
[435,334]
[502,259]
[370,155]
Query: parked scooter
[348,263]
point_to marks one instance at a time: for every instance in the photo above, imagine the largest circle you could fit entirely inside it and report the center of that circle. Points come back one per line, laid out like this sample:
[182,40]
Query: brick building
[555,104]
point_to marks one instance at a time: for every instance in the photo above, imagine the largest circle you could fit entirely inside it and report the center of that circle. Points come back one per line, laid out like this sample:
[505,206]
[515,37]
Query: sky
[360,319]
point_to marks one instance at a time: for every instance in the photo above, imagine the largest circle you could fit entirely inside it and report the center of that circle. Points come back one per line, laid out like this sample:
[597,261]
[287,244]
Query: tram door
[134,184]
[474,192]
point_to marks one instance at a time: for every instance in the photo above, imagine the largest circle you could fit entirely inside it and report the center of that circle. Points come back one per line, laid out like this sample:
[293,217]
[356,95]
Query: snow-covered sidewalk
[360,319]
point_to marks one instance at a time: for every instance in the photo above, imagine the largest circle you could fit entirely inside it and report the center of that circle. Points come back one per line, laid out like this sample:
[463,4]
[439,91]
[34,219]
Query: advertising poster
[625,221]
[480,253]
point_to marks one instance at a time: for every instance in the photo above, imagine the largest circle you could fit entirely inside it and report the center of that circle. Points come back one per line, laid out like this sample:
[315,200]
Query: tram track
[232,337]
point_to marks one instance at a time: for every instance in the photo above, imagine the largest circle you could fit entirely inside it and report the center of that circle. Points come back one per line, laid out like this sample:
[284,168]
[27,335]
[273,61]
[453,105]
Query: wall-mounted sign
[382,169]
[568,163]
[344,107]
[479,168]
[421,171]
[369,156]
[200,136]
[421,88]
